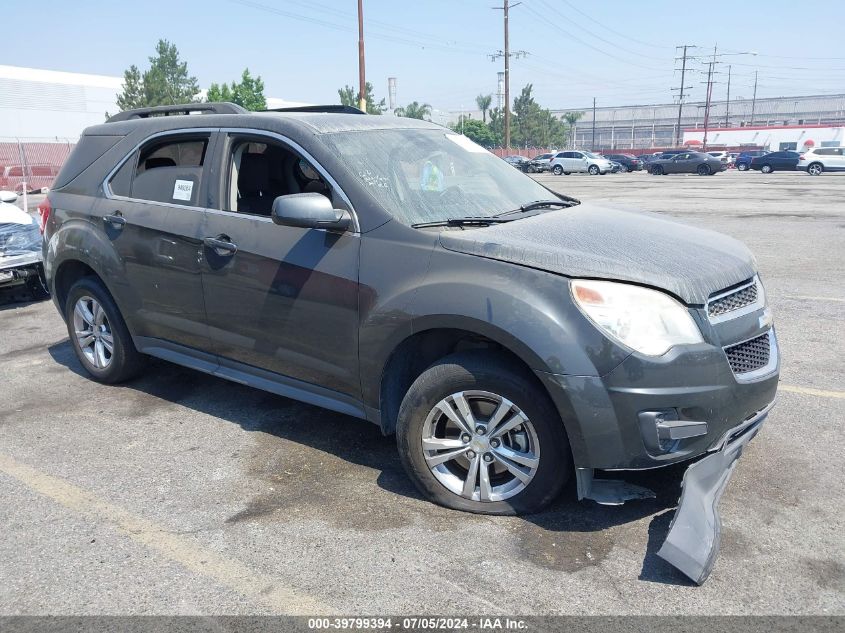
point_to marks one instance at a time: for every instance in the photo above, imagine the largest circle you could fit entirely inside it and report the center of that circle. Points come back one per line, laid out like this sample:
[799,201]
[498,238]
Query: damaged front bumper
[692,544]
[18,268]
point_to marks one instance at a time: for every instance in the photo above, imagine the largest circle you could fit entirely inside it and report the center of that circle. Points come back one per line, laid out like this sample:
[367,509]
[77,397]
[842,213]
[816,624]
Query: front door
[153,217]
[279,298]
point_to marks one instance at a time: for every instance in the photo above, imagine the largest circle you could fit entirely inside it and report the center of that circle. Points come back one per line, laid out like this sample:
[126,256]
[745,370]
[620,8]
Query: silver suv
[573,161]
[817,160]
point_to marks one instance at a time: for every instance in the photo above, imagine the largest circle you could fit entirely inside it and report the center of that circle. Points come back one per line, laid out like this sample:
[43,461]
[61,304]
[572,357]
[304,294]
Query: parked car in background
[629,162]
[541,162]
[722,156]
[732,156]
[520,162]
[20,247]
[576,161]
[743,161]
[34,177]
[615,167]
[785,160]
[817,160]
[686,163]
[645,159]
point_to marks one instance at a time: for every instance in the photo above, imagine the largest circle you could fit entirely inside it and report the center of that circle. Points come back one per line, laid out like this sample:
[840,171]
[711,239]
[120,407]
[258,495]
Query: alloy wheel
[815,170]
[93,332]
[480,446]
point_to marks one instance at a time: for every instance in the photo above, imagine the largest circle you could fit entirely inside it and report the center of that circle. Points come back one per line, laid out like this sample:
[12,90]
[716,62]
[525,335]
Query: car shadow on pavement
[292,437]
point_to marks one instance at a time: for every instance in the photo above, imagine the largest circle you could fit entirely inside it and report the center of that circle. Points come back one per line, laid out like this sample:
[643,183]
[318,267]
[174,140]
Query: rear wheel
[99,334]
[704,170]
[766,169]
[557,170]
[475,434]
[815,169]
[657,170]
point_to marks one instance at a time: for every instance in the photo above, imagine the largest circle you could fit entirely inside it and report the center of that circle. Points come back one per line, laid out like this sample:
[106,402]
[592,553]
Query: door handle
[221,245]
[116,220]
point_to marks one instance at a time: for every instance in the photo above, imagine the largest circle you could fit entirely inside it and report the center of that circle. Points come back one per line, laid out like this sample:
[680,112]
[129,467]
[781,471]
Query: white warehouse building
[784,137]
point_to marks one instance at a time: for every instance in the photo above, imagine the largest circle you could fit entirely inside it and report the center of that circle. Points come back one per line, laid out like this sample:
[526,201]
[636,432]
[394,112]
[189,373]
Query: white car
[722,156]
[20,246]
[577,161]
[817,160]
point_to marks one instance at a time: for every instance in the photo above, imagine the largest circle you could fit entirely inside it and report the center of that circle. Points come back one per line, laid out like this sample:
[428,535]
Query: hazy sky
[621,52]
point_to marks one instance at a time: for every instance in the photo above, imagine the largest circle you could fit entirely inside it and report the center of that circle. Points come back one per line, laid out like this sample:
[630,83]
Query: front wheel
[766,169]
[816,169]
[742,167]
[593,170]
[557,170]
[478,435]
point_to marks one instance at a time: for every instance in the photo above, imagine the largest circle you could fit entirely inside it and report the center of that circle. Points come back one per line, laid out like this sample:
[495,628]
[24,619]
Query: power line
[627,37]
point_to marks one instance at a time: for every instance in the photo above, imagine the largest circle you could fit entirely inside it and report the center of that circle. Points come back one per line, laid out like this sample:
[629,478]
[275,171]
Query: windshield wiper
[539,204]
[469,221]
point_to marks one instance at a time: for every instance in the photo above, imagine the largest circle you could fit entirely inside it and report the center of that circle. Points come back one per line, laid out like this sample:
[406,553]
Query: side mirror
[309,211]
[8,196]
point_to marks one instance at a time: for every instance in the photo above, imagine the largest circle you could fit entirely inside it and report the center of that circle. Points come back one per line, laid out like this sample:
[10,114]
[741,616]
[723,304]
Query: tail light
[44,210]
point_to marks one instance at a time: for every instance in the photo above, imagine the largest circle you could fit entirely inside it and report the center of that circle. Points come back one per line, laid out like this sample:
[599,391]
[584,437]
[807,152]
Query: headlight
[645,320]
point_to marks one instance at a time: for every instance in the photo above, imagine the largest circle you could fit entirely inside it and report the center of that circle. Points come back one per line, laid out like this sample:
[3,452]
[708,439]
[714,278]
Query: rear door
[279,299]
[153,215]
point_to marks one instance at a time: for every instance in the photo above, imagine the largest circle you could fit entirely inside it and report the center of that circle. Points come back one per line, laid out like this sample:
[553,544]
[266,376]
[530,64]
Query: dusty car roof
[314,122]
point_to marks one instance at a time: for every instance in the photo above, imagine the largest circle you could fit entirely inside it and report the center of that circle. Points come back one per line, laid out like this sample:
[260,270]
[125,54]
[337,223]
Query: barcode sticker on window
[182,190]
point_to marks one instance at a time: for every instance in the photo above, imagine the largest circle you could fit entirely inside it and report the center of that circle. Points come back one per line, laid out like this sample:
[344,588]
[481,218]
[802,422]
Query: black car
[629,162]
[743,161]
[686,163]
[784,160]
[392,270]
[520,162]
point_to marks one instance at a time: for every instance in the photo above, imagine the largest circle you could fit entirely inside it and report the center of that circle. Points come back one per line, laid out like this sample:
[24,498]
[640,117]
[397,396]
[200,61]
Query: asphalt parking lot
[180,493]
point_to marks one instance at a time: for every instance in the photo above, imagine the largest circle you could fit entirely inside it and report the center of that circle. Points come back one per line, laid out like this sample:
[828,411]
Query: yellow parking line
[807,391]
[181,549]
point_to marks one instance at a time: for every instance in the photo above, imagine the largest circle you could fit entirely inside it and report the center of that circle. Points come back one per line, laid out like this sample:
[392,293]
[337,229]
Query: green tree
[571,118]
[349,97]
[476,130]
[483,102]
[414,110]
[166,82]
[248,93]
[133,90]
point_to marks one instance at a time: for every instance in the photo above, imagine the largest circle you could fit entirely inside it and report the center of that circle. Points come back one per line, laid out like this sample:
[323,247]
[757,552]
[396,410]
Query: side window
[561,155]
[260,170]
[170,170]
[121,183]
[577,155]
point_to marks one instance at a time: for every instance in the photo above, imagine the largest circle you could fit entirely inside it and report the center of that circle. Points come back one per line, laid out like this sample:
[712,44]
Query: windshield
[591,155]
[426,175]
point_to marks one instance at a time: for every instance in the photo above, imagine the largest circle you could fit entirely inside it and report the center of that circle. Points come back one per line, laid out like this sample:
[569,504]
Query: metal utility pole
[506,5]
[728,100]
[362,75]
[754,98]
[593,147]
[681,89]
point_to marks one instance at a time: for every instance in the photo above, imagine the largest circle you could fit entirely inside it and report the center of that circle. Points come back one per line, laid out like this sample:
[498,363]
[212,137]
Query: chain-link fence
[31,164]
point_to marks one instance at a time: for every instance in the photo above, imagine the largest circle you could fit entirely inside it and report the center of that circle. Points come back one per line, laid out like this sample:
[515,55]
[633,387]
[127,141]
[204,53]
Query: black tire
[623,170]
[557,170]
[742,167]
[125,362]
[484,371]
[657,170]
[566,173]
[766,169]
[704,170]
[593,170]
[815,169]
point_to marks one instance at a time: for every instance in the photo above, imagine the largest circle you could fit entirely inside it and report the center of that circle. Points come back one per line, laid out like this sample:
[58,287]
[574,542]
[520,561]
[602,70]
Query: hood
[598,242]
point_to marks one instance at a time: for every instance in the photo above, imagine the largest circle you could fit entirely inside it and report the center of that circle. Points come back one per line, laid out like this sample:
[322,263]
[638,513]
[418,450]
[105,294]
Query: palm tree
[483,102]
[414,110]
[571,119]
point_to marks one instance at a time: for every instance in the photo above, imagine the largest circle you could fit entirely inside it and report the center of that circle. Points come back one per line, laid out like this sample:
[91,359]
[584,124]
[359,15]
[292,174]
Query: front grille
[751,355]
[733,301]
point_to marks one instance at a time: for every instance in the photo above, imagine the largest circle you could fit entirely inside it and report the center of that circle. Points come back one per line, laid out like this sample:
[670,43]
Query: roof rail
[334,109]
[184,108]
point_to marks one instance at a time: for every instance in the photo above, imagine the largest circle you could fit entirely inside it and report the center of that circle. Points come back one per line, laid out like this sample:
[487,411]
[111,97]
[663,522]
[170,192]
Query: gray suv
[392,270]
